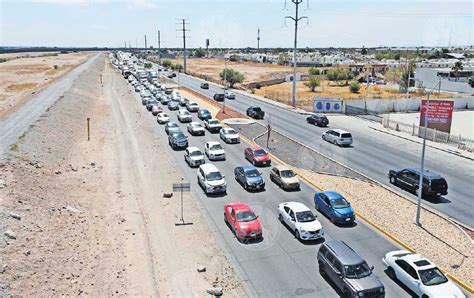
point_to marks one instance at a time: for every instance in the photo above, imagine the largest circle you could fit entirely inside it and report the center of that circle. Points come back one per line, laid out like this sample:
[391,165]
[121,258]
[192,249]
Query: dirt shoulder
[28,74]
[93,217]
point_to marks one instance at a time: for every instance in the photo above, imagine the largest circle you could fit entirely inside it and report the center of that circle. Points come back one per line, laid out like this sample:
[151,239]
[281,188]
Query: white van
[210,179]
[338,137]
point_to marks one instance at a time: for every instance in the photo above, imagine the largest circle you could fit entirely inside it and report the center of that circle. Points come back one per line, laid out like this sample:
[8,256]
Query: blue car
[335,207]
[249,177]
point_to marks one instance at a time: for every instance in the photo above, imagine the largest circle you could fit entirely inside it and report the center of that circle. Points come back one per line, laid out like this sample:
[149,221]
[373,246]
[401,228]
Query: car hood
[198,128]
[310,226]
[200,157]
[250,226]
[216,182]
[232,136]
[345,211]
[216,151]
[448,289]
[366,283]
[262,158]
[291,180]
[181,139]
[257,179]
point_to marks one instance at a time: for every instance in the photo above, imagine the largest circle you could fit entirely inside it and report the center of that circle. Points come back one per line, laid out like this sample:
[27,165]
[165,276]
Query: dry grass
[20,87]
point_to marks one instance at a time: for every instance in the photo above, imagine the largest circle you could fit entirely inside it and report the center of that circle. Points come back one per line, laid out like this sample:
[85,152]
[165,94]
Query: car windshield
[246,216]
[195,153]
[346,135]
[204,112]
[339,203]
[184,113]
[214,176]
[172,124]
[216,147]
[252,173]
[260,152]
[287,174]
[230,132]
[213,122]
[305,216]
[179,135]
[257,109]
[432,276]
[196,124]
[357,271]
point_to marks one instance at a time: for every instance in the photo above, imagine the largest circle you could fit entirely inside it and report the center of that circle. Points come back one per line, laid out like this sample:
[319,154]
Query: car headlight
[360,294]
[382,290]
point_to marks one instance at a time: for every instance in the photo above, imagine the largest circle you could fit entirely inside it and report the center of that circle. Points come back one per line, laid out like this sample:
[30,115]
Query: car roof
[282,168]
[426,173]
[332,194]
[228,128]
[416,261]
[209,167]
[296,206]
[192,149]
[248,168]
[343,252]
[213,143]
[239,206]
[340,130]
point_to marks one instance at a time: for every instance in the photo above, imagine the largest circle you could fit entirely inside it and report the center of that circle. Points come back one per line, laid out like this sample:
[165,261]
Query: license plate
[438,194]
[252,234]
[348,219]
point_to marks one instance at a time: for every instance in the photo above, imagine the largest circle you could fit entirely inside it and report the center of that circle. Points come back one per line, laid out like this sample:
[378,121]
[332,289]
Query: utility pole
[159,48]
[145,43]
[184,30]
[296,19]
[258,40]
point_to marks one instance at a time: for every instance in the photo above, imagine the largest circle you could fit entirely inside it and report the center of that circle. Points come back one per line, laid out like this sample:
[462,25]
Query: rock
[201,268]
[15,216]
[74,169]
[3,268]
[215,291]
[3,184]
[27,253]
[93,163]
[10,234]
[57,172]
[72,209]
[38,166]
[167,195]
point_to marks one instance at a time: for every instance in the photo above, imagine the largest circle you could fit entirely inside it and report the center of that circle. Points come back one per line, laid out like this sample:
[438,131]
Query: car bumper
[250,236]
[217,157]
[345,219]
[312,235]
[181,145]
[291,186]
[196,163]
[183,120]
[263,163]
[217,189]
[232,140]
[256,186]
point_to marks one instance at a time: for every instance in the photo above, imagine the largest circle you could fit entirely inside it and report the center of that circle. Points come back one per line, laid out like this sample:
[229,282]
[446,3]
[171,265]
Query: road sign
[181,187]
[440,114]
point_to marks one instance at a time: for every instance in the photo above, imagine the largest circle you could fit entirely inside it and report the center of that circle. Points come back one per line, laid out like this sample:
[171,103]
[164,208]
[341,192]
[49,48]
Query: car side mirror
[260,173]
[292,219]
[372,268]
[223,176]
[339,274]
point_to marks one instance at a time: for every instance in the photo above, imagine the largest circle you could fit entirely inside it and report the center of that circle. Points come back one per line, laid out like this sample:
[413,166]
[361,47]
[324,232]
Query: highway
[280,265]
[373,153]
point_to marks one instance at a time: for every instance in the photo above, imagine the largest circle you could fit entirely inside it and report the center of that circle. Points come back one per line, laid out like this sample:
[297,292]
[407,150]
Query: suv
[319,120]
[348,270]
[219,97]
[338,137]
[177,139]
[204,85]
[433,184]
[255,113]
[210,179]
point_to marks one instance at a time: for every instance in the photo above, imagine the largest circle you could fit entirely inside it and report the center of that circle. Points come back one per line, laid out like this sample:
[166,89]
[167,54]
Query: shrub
[314,71]
[354,87]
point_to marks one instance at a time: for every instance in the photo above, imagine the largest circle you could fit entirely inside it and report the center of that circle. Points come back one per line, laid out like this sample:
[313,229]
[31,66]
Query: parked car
[177,140]
[300,220]
[184,116]
[210,179]
[335,207]
[155,110]
[176,96]
[138,87]
[183,101]
[229,135]
[249,177]
[173,106]
[338,137]
[150,103]
[219,97]
[255,113]
[419,274]
[348,271]
[165,99]
[204,114]
[213,125]
[318,120]
[172,75]
[242,220]
[214,151]
[192,106]
[171,125]
[229,95]
[162,118]
[285,178]
[146,99]
[194,157]
[204,85]
[196,129]
[257,156]
[433,184]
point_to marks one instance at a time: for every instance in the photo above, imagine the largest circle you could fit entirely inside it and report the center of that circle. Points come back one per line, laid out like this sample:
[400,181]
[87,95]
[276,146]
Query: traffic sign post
[182,187]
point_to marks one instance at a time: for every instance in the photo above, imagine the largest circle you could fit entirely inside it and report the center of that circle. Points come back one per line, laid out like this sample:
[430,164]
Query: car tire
[280,218]
[246,186]
[346,293]
[333,220]
[316,206]
[297,234]
[393,180]
[321,269]
[391,273]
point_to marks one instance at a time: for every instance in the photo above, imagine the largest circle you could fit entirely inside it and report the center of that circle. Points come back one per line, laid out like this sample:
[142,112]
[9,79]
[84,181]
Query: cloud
[148,4]
[63,2]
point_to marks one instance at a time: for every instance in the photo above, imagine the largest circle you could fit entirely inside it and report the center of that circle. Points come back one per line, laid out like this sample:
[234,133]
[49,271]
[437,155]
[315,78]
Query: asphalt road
[280,265]
[373,153]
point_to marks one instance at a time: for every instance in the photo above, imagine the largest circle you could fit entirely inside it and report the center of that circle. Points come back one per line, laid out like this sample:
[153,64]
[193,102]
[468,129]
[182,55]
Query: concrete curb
[431,146]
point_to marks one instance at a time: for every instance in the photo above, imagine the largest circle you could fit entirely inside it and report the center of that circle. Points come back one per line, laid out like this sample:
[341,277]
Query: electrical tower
[258,40]
[296,19]
[184,30]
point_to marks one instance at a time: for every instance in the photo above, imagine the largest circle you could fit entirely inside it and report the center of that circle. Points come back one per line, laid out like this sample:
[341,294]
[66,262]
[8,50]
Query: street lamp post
[225,85]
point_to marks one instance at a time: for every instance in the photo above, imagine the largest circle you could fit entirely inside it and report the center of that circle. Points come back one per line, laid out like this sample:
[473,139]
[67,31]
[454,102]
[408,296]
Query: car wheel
[391,273]
[316,206]
[280,218]
[321,269]
[333,220]
[297,234]
[246,186]
[346,293]
[392,180]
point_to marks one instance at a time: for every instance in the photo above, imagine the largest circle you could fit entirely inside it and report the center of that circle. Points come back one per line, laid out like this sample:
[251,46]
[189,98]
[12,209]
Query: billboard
[327,105]
[440,114]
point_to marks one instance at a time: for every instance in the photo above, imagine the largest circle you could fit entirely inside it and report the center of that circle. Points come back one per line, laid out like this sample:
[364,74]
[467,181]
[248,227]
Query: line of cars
[336,260]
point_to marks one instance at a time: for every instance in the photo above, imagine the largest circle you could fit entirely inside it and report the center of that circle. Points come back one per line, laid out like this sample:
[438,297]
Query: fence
[285,97]
[457,141]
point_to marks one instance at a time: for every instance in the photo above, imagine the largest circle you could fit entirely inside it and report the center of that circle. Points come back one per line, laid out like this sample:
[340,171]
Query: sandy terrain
[22,77]
[101,226]
[10,56]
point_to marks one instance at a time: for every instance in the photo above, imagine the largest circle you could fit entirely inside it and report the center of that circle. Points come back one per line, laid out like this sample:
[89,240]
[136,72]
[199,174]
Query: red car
[257,156]
[243,221]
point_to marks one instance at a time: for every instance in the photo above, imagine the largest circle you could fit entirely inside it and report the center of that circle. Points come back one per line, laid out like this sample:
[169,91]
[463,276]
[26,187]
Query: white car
[419,275]
[213,125]
[214,151]
[193,156]
[338,137]
[229,135]
[229,95]
[176,96]
[184,116]
[196,128]
[162,118]
[192,106]
[301,220]
[210,179]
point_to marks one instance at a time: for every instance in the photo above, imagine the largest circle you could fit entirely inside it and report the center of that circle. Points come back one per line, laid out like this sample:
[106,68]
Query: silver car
[338,137]
[193,156]
[195,128]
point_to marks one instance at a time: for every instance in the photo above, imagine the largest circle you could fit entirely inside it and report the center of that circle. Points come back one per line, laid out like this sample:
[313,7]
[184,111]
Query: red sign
[440,114]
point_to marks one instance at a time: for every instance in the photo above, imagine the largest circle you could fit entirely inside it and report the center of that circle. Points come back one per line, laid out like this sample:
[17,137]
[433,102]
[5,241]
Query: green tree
[354,87]
[312,83]
[178,67]
[314,71]
[471,82]
[363,51]
[339,74]
[166,63]
[199,53]
[457,68]
[232,76]
[282,58]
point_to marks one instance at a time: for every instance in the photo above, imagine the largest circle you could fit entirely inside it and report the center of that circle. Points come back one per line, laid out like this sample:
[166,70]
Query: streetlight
[420,183]
[225,85]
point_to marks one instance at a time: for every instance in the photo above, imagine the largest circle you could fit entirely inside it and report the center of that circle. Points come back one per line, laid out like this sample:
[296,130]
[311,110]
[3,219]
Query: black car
[204,85]
[433,184]
[150,103]
[173,106]
[204,114]
[319,120]
[219,97]
[255,113]
[172,75]
[177,140]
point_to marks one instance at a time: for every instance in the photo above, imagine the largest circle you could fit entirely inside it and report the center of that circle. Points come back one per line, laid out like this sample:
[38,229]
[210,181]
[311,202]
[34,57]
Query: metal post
[159,48]
[225,85]
[88,129]
[184,44]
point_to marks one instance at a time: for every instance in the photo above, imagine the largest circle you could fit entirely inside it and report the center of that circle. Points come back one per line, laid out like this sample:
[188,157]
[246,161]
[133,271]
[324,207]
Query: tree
[282,58]
[471,82]
[166,63]
[199,53]
[314,71]
[354,87]
[456,68]
[178,67]
[312,83]
[233,58]
[339,74]
[400,74]
[363,51]
[232,76]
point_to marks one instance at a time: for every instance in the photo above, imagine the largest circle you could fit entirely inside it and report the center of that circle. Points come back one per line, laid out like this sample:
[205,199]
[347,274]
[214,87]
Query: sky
[234,23]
